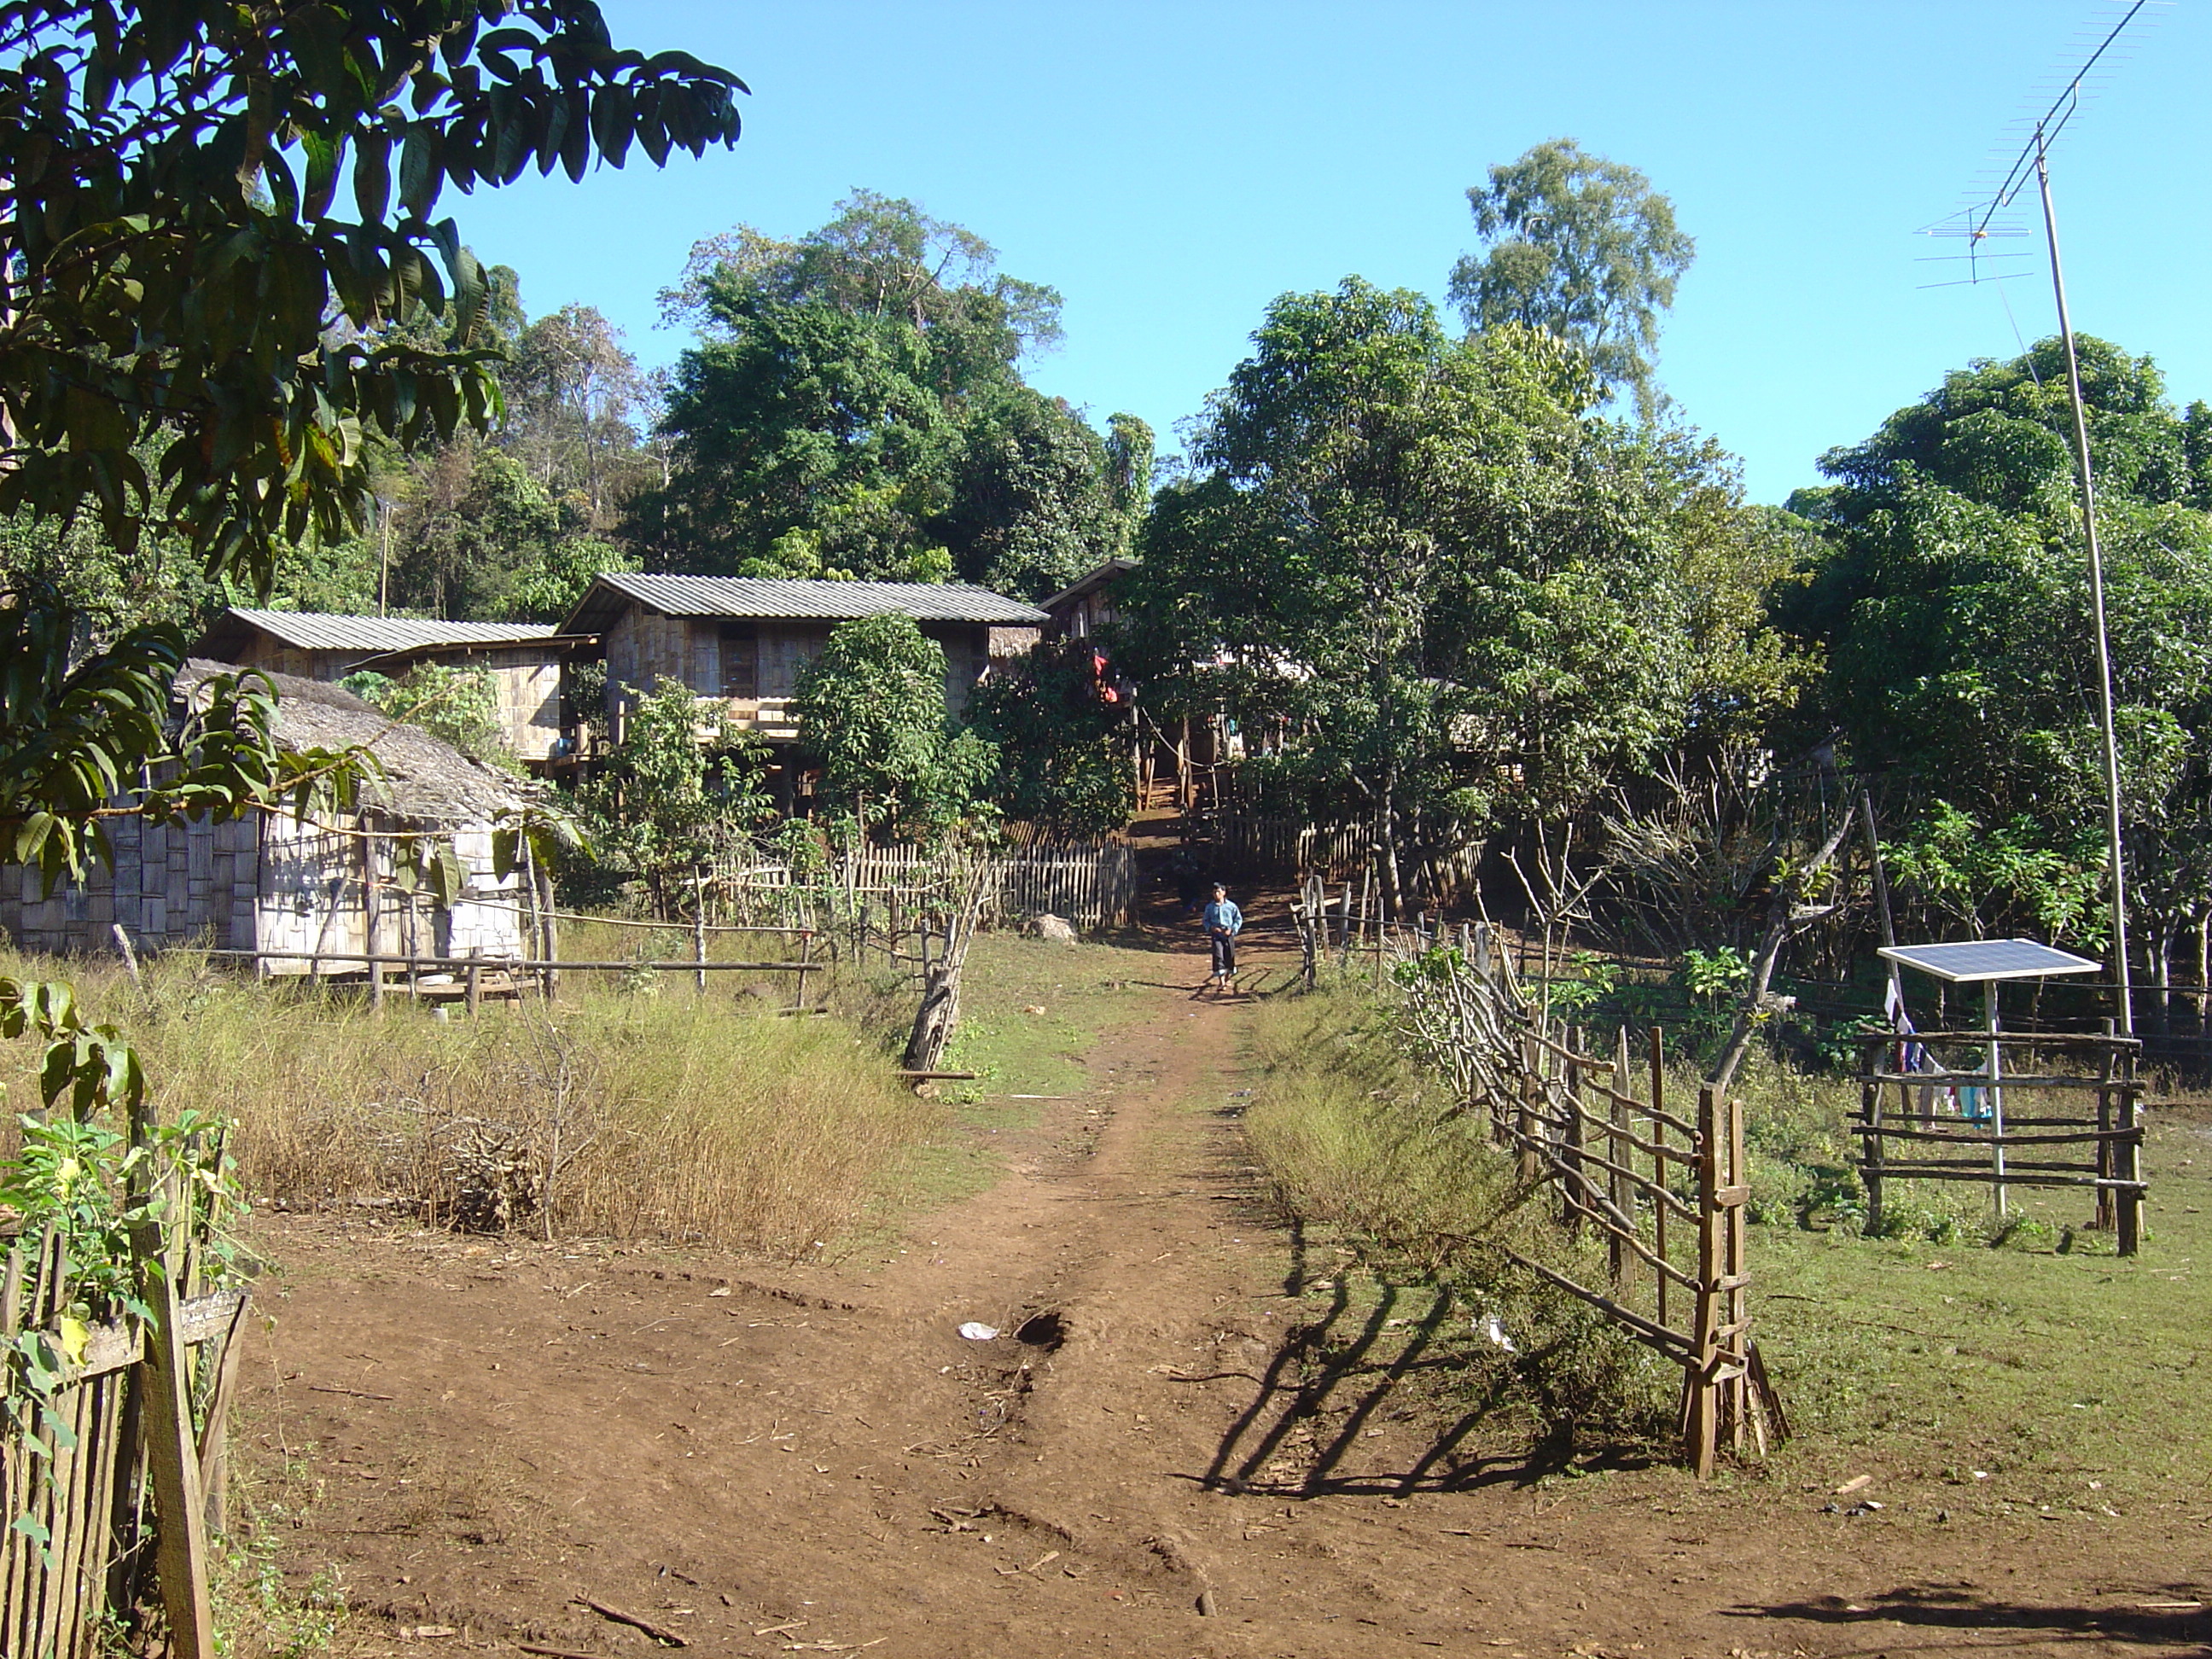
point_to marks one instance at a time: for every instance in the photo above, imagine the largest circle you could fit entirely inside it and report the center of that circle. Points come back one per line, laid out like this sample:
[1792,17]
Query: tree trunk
[1779,923]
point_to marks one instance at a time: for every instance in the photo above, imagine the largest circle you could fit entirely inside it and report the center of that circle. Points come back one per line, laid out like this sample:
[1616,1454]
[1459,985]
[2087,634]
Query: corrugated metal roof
[311,631]
[765,597]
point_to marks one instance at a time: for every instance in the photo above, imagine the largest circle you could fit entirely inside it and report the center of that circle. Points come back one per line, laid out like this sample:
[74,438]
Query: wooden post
[369,917]
[2106,1210]
[2127,1161]
[1996,1096]
[548,924]
[1702,1415]
[1531,1084]
[1658,1161]
[1620,1258]
[805,961]
[214,1436]
[172,1453]
[1735,1349]
[1870,1114]
[475,986]
[1572,1201]
[699,931]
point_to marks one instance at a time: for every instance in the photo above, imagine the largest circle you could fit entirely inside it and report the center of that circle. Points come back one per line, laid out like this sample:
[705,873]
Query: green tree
[458,705]
[683,787]
[1580,247]
[855,406]
[1427,577]
[1947,598]
[1129,461]
[181,273]
[1064,749]
[871,711]
[574,397]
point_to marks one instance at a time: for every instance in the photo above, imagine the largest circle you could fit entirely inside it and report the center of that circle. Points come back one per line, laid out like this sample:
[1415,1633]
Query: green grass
[2028,1351]
[2047,1371]
[1085,991]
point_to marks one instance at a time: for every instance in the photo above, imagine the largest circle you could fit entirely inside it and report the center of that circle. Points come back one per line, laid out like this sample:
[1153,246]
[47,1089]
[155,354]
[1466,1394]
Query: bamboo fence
[128,1477]
[1665,1187]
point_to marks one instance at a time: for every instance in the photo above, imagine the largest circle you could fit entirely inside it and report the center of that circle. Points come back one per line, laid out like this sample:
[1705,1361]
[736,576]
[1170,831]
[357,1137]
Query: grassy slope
[1084,991]
[2047,1370]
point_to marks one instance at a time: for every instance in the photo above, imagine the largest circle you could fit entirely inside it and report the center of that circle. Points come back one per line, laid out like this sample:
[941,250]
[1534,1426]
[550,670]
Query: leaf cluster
[184,272]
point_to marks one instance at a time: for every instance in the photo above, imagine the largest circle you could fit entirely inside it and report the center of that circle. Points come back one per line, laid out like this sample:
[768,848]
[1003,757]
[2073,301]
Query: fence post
[1658,1159]
[1870,1113]
[2106,1210]
[1734,1348]
[1572,1202]
[1620,1258]
[475,987]
[172,1450]
[2127,1161]
[1531,1082]
[1702,1417]
[699,930]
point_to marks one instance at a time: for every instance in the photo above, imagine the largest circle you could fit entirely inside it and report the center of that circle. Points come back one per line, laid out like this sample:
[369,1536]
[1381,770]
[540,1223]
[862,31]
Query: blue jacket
[1222,916]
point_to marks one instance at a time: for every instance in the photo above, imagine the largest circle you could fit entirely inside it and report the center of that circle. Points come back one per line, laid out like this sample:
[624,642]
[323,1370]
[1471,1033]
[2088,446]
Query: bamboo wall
[263,884]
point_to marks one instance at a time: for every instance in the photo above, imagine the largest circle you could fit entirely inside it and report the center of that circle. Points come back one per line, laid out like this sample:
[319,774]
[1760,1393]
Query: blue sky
[1172,168]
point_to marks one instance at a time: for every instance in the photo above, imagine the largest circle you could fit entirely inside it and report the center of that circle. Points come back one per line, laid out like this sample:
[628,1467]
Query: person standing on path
[1222,922]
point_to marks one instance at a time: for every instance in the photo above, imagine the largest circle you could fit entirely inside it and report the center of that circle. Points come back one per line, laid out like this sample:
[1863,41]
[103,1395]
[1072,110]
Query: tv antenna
[1979,224]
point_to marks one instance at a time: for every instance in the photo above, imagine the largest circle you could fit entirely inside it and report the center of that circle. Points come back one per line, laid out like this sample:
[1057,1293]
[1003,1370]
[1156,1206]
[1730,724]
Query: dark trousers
[1224,953]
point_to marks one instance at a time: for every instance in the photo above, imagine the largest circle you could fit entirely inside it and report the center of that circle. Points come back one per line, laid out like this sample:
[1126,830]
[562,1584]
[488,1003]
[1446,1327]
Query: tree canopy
[856,406]
[198,330]
[1580,247]
[1428,577]
[1948,596]
[871,710]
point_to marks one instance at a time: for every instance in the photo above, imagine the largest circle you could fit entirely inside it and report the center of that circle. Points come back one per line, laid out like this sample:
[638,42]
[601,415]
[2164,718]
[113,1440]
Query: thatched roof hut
[269,883]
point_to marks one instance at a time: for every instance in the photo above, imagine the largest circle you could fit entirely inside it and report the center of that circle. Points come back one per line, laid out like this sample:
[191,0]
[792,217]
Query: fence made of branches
[113,1452]
[1661,1181]
[2033,1109]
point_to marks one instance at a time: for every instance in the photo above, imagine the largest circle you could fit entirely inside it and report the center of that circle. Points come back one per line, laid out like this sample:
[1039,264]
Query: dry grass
[614,1113]
[1365,1149]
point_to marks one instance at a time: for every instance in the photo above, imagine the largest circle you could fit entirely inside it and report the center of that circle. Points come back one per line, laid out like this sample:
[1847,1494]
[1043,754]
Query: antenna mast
[2035,158]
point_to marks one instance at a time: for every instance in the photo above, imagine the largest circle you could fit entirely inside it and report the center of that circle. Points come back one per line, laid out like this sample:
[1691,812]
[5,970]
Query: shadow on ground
[2183,1621]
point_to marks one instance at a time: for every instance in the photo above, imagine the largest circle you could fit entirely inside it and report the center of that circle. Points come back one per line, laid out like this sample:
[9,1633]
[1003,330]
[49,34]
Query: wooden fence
[2082,1126]
[1666,1190]
[1089,884]
[1334,851]
[128,1477]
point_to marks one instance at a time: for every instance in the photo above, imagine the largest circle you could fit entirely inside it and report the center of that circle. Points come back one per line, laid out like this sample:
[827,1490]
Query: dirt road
[1166,1452]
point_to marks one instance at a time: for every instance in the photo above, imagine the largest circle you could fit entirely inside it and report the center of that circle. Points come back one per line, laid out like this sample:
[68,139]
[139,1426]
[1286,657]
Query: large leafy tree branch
[213,216]
[199,339]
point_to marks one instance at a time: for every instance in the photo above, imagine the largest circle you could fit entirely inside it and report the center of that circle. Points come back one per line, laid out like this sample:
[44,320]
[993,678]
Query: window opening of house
[741,660]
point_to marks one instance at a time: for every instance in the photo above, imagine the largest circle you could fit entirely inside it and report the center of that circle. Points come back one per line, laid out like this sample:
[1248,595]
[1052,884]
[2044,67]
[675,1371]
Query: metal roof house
[524,659]
[272,883]
[741,641]
[1087,604]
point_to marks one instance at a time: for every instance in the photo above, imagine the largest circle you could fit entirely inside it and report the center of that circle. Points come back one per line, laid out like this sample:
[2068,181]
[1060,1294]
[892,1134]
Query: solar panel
[1976,960]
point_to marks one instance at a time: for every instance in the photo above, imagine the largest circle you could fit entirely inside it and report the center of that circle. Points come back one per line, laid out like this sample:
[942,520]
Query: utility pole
[2113,844]
[384,560]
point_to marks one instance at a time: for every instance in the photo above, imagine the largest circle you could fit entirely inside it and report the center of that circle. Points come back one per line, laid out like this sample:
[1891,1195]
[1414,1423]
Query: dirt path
[1151,1459]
